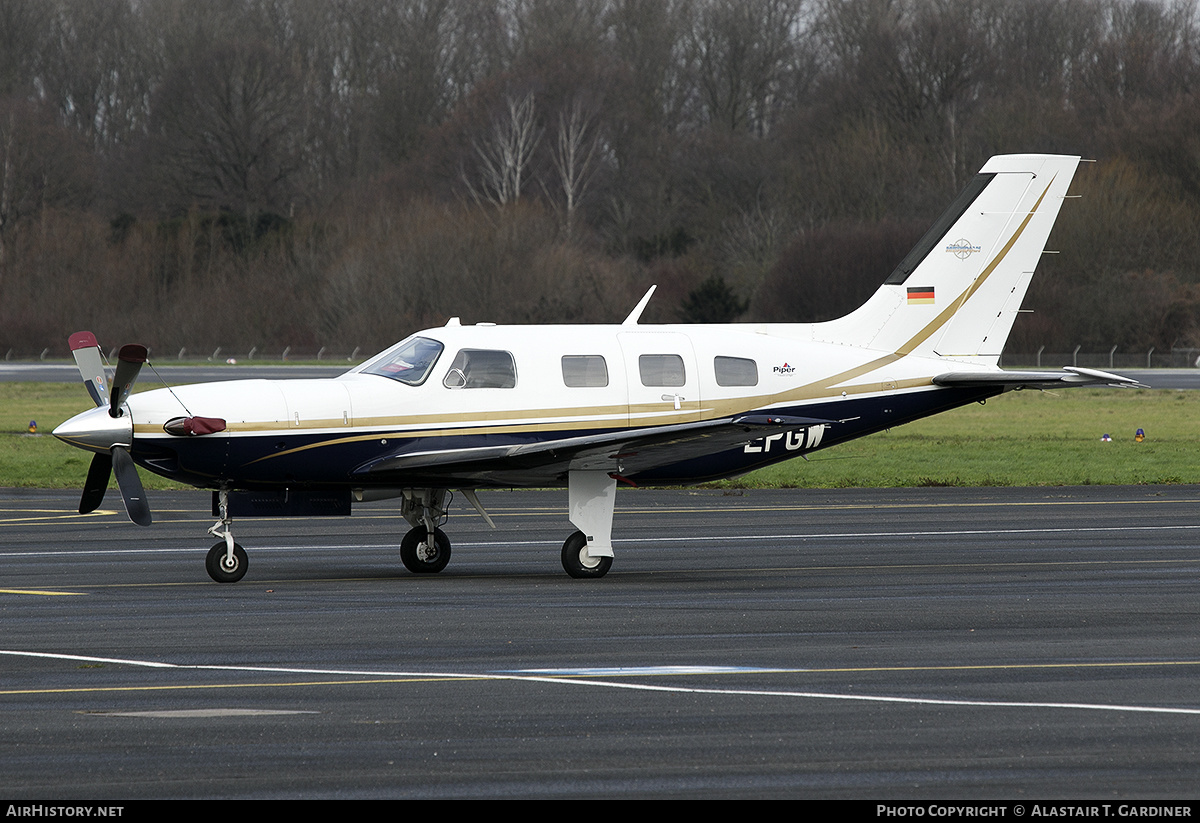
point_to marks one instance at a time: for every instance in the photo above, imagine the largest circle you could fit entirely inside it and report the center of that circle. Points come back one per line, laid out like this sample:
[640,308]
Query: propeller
[110,432]
[129,364]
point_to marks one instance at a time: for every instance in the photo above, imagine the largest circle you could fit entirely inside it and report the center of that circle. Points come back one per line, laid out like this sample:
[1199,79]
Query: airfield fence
[323,354]
[1112,359]
[1177,358]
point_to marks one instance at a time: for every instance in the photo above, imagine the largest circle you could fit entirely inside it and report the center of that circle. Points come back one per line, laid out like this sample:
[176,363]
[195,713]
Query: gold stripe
[281,426]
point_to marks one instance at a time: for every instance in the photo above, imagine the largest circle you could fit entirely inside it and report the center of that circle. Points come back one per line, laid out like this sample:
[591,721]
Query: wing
[1070,376]
[626,452]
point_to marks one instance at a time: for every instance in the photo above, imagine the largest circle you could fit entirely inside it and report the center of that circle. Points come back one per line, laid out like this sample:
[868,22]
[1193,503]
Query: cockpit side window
[481,369]
[411,363]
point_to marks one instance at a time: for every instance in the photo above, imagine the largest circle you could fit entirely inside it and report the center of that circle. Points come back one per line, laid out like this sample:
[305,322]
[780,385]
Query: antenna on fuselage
[168,385]
[632,319]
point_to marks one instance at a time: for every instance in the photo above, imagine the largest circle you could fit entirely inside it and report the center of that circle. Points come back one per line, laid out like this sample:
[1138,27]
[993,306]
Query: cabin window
[481,369]
[662,370]
[410,363]
[735,371]
[584,370]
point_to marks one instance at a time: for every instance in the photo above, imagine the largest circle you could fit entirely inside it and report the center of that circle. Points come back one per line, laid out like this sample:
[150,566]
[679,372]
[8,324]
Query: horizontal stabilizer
[1070,376]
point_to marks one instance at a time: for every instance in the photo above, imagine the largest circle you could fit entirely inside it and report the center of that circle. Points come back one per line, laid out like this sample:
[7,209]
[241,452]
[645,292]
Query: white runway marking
[629,671]
[645,687]
[723,540]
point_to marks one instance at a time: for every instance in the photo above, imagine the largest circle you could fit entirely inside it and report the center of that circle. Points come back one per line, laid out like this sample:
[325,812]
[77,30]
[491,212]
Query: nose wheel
[225,567]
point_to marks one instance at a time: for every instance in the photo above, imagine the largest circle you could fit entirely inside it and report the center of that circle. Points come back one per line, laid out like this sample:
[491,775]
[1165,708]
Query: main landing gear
[425,549]
[587,554]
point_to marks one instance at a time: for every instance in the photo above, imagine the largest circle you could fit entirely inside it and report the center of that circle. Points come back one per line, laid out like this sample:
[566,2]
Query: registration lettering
[806,438]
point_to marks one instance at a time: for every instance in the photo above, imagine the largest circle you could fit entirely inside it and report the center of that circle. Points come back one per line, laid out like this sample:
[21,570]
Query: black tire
[413,550]
[218,571]
[576,561]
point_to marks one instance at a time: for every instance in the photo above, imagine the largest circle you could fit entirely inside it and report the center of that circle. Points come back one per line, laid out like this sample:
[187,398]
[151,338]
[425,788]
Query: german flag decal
[920,294]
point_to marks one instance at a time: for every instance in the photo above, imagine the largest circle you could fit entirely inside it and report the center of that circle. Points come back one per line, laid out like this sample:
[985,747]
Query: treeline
[342,172]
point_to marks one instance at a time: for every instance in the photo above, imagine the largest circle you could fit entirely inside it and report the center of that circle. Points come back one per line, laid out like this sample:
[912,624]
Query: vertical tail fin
[956,294]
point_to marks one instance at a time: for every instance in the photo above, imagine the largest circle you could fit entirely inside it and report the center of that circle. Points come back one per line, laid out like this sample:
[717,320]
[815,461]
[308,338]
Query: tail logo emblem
[962,248]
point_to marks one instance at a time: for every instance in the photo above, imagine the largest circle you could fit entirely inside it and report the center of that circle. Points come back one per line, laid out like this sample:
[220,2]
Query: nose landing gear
[226,561]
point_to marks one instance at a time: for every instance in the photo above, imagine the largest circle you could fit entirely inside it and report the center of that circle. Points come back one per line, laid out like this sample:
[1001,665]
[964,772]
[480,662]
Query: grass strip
[1019,439]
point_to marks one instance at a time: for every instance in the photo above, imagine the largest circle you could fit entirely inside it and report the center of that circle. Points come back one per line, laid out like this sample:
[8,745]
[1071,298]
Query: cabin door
[664,381]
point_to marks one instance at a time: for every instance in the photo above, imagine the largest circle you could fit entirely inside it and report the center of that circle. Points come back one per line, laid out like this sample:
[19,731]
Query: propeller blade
[96,484]
[129,363]
[83,431]
[91,368]
[132,492]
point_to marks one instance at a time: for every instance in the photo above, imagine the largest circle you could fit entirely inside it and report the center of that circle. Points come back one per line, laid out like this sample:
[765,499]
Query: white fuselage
[566,381]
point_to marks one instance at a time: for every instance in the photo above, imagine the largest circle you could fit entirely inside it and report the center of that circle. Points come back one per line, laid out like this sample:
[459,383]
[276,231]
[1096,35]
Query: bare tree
[575,156]
[24,36]
[505,157]
[742,51]
[94,73]
[649,108]
[225,133]
[42,165]
[413,86]
[543,27]
[649,42]
[1145,51]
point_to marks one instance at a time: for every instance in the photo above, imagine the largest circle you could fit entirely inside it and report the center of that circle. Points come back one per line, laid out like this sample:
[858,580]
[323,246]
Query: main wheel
[221,571]
[578,563]
[417,556]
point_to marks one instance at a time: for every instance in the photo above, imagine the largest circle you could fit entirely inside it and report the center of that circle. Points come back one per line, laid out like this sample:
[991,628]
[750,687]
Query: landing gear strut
[226,561]
[588,553]
[425,549]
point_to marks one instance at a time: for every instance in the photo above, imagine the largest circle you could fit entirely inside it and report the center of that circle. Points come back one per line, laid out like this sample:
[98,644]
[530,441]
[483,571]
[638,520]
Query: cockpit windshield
[410,363]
